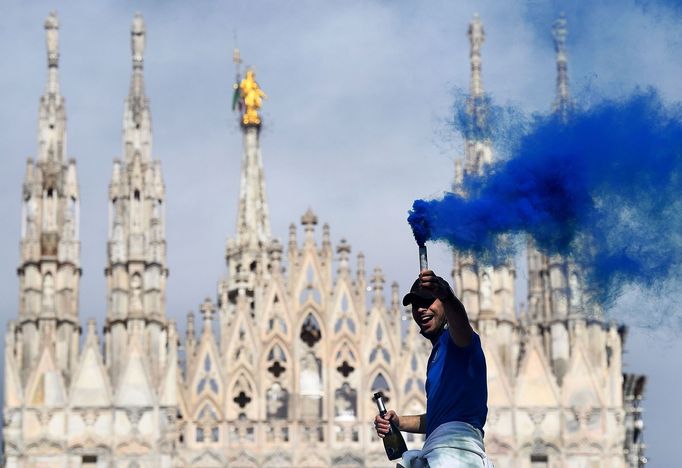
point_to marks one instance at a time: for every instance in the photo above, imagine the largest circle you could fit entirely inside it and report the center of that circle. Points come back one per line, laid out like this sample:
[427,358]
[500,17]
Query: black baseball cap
[418,294]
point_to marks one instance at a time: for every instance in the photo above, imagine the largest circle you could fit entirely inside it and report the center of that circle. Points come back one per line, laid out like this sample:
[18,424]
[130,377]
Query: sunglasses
[423,303]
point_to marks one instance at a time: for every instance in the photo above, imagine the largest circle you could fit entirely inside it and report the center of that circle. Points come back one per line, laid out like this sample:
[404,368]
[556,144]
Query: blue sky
[355,124]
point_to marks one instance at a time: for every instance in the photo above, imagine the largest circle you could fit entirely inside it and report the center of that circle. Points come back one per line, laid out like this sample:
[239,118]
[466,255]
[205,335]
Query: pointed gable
[535,386]
[345,319]
[579,387]
[90,387]
[207,377]
[13,390]
[170,383]
[134,388]
[46,385]
[242,348]
[379,341]
[276,317]
[309,284]
[498,387]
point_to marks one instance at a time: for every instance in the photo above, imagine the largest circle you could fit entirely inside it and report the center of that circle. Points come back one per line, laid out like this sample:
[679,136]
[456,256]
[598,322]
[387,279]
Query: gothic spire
[247,251]
[49,268]
[478,151]
[136,269]
[562,104]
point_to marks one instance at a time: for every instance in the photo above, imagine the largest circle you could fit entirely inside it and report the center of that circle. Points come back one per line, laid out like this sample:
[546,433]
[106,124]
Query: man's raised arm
[458,322]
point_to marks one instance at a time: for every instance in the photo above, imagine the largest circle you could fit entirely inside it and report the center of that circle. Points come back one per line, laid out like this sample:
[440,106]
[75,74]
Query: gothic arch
[211,403]
[45,445]
[207,377]
[312,312]
[243,460]
[271,346]
[346,351]
[378,342]
[373,383]
[344,382]
[277,379]
[242,396]
[345,322]
[207,420]
[277,459]
[383,372]
[209,459]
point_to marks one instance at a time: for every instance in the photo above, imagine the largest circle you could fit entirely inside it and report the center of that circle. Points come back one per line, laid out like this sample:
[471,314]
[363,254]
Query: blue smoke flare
[603,188]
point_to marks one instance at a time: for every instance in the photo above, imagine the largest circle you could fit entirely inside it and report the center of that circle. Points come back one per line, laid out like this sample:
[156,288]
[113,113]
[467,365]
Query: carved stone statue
[136,294]
[48,293]
[311,384]
[52,39]
[486,292]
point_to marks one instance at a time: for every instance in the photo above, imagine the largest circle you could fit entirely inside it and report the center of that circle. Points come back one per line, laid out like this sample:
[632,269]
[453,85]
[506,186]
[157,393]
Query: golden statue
[252,97]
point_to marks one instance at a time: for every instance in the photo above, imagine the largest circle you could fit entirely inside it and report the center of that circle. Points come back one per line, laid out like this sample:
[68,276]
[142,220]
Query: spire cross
[236,59]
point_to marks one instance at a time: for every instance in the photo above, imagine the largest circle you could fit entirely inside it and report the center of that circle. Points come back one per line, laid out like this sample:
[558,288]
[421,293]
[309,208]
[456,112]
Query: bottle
[393,441]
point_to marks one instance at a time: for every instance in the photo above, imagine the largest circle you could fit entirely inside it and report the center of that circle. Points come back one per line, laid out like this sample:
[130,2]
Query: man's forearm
[456,315]
[415,423]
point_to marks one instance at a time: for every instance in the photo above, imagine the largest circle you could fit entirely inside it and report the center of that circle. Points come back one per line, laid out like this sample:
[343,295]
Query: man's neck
[433,338]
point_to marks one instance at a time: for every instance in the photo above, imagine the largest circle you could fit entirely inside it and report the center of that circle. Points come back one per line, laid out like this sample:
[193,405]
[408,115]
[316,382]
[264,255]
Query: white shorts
[451,445]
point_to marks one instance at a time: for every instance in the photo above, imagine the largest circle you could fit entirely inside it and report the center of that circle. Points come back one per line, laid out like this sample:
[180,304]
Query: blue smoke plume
[603,188]
[480,118]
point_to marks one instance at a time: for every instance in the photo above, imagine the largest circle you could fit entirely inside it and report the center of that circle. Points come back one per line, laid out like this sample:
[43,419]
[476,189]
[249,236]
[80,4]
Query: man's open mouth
[425,320]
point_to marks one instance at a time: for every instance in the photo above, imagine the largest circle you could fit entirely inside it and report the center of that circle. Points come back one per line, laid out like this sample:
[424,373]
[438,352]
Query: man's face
[429,315]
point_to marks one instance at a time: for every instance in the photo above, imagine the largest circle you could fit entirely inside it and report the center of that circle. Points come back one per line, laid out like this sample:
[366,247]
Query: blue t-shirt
[456,387]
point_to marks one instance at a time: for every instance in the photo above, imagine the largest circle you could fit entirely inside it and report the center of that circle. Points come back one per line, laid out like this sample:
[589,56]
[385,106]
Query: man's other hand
[382,424]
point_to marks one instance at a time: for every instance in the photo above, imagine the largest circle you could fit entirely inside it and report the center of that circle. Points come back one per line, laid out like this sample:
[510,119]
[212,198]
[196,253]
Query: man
[456,387]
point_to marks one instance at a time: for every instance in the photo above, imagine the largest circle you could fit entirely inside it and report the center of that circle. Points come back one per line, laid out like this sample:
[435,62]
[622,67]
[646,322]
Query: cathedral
[278,369]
